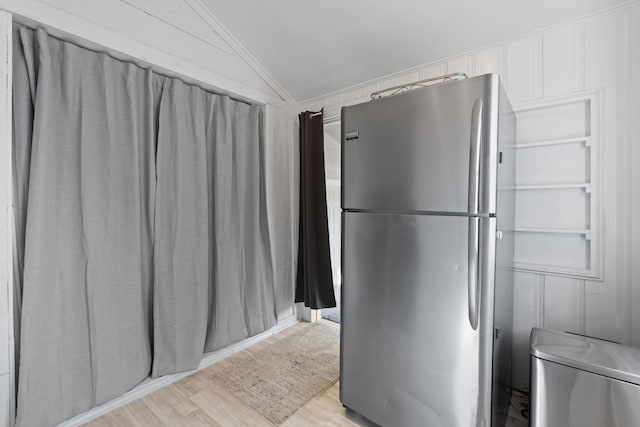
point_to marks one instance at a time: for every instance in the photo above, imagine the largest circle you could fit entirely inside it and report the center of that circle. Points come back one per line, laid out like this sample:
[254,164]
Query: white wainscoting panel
[526,289]
[601,47]
[408,77]
[601,311]
[559,60]
[559,316]
[632,154]
[520,69]
[462,65]
[488,61]
[425,73]
[383,84]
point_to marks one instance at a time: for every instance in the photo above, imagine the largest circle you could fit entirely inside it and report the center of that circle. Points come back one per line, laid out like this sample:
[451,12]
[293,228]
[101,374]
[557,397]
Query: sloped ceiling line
[211,20]
[212,38]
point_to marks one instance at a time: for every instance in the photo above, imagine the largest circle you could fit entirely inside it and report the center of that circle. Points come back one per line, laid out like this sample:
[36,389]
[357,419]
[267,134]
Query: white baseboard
[305,313]
[152,384]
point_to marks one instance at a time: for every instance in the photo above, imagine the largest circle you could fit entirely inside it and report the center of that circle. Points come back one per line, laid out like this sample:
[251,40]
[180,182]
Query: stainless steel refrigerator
[427,254]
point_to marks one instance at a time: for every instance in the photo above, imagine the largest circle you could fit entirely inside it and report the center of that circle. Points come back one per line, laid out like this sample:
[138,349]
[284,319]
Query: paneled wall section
[594,53]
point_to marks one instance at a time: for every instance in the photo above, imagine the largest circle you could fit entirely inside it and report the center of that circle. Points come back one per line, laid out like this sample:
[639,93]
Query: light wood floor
[215,407]
[195,401]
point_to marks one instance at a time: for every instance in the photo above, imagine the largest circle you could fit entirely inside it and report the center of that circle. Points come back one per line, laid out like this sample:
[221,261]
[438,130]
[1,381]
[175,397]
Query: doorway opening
[332,172]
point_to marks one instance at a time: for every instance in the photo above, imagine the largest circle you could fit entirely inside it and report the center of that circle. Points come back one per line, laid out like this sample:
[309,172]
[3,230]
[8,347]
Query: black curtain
[314,283]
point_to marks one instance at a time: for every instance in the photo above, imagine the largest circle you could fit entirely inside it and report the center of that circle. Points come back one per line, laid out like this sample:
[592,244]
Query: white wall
[592,53]
[631,157]
[334,220]
[6,242]
[176,37]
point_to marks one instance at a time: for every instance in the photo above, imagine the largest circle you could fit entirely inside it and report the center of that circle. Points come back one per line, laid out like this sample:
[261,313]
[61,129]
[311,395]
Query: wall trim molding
[152,384]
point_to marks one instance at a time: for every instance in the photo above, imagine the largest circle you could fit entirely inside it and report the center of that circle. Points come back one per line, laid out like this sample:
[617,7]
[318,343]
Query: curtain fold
[140,224]
[182,231]
[23,65]
[242,243]
[314,282]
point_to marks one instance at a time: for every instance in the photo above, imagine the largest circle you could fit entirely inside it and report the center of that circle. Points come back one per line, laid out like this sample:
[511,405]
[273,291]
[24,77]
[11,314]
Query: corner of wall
[246,56]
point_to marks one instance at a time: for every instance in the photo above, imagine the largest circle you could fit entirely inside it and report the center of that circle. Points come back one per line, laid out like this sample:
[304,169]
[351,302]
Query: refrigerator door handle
[473,273]
[474,157]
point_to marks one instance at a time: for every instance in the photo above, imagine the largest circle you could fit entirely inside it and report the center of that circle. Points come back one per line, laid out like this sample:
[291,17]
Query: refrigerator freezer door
[410,355]
[419,151]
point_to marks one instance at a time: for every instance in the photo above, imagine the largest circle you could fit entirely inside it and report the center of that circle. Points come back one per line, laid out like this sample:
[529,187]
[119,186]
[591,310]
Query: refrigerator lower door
[410,355]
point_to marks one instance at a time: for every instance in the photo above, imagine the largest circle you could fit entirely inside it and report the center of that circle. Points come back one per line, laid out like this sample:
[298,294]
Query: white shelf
[559,140]
[585,186]
[585,232]
[534,144]
[559,270]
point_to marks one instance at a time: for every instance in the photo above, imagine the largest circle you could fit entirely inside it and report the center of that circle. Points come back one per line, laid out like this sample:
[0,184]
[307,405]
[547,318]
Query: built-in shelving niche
[558,228]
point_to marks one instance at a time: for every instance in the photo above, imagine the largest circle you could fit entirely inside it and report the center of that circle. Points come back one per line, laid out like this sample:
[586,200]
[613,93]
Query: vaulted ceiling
[313,47]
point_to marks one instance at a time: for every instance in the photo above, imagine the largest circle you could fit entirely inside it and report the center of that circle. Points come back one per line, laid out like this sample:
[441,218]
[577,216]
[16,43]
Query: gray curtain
[182,251]
[141,233]
[212,253]
[243,253]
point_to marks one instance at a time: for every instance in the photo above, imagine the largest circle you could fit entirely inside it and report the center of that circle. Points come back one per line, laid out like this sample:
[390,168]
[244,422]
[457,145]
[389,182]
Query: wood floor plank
[119,417]
[264,343]
[141,414]
[107,420]
[290,331]
[200,418]
[170,406]
[193,384]
[226,409]
[326,410]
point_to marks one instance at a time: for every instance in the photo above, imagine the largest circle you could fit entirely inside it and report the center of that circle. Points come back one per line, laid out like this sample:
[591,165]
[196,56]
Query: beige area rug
[279,379]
